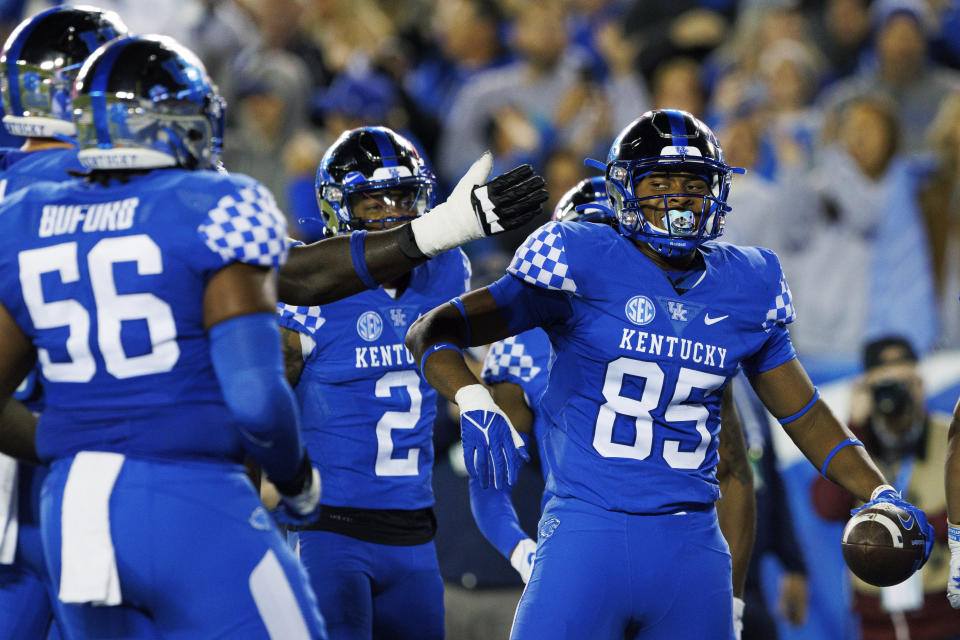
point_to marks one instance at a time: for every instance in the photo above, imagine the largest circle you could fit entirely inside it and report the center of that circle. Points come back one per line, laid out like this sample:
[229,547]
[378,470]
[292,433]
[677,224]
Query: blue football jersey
[108,283]
[633,402]
[523,360]
[367,413]
[19,169]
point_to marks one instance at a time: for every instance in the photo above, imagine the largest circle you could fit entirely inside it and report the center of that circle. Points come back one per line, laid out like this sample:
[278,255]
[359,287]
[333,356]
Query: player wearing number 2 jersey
[367,414]
[146,293]
[648,323]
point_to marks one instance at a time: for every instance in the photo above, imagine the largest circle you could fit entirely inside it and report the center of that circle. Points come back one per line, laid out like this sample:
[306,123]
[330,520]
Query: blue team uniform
[523,360]
[368,423]
[108,283]
[27,599]
[632,415]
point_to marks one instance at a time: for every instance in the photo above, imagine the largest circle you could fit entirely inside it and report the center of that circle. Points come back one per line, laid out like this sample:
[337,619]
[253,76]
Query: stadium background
[846,112]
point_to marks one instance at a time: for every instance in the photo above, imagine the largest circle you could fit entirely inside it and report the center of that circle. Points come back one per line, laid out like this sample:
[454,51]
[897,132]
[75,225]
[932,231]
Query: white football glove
[953,582]
[738,607]
[477,208]
[522,558]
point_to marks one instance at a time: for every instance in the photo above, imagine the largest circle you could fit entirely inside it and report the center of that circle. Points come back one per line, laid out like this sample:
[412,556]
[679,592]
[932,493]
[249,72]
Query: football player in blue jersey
[648,323]
[146,292]
[367,413]
[37,66]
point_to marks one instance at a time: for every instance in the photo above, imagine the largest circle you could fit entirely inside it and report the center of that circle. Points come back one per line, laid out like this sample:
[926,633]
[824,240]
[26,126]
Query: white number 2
[386,464]
[111,309]
[678,410]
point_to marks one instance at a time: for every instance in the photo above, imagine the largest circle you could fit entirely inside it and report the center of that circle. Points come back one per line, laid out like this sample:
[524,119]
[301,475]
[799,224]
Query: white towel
[88,567]
[9,493]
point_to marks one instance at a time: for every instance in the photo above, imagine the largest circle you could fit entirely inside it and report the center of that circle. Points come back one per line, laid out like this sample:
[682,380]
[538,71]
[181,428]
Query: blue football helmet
[667,141]
[376,163]
[39,62]
[146,102]
[586,202]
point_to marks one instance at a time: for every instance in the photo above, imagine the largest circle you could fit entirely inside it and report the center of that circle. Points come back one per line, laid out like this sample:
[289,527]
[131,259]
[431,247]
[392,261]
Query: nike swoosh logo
[708,320]
[908,523]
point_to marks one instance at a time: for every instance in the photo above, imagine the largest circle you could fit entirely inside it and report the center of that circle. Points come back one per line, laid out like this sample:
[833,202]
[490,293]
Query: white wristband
[475,397]
[881,489]
[953,537]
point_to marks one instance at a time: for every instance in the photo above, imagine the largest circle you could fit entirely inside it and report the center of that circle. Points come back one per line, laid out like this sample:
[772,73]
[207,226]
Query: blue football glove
[886,493]
[492,448]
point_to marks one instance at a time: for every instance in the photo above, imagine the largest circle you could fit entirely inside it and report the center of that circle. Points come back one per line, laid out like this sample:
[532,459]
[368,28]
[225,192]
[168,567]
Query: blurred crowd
[845,112]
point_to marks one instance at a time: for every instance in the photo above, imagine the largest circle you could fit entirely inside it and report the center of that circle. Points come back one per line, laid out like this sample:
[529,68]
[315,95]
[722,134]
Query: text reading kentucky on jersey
[635,389]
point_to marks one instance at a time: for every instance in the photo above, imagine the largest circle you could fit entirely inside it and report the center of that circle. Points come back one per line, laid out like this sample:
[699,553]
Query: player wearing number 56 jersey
[146,292]
[367,413]
[648,323]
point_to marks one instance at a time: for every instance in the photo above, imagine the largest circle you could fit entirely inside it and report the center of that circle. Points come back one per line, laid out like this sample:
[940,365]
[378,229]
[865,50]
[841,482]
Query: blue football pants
[198,557]
[27,598]
[368,590]
[608,575]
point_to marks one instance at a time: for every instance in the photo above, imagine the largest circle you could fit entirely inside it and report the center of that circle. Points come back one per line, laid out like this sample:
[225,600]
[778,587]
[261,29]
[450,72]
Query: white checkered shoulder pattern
[542,261]
[782,313]
[507,361]
[306,319]
[247,226]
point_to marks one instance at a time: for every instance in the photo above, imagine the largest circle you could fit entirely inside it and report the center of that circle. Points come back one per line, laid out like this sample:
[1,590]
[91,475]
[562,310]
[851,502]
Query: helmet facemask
[679,231]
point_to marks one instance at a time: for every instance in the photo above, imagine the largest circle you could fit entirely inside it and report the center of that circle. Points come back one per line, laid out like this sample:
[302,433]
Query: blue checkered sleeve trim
[542,261]
[507,361]
[247,226]
[303,319]
[782,313]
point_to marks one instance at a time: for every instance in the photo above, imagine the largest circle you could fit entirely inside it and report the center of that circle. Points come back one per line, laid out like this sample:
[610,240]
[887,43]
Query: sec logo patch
[369,325]
[640,310]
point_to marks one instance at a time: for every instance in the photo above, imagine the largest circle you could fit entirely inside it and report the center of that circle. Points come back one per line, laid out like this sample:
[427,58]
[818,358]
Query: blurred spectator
[775,535]
[224,30]
[678,84]
[941,201]
[545,97]
[841,32]
[865,269]
[909,445]
[467,37]
[765,213]
[901,72]
[671,28]
[270,108]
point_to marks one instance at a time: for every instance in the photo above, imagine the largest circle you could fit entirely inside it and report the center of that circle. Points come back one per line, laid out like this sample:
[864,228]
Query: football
[882,544]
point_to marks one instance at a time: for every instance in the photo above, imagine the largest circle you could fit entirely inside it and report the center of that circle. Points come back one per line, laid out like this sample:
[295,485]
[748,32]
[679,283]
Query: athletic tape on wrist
[458,303]
[802,412]
[440,346]
[844,443]
[357,255]
[953,532]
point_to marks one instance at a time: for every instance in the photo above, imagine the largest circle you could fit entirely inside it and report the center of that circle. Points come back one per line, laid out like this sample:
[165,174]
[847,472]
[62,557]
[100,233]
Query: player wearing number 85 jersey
[367,413]
[648,323]
[146,292]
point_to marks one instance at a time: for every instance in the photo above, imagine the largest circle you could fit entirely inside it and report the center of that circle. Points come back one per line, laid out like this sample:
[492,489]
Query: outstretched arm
[335,268]
[737,507]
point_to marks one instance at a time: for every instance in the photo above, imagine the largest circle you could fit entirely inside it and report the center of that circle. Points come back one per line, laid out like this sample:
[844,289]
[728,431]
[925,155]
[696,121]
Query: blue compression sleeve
[249,365]
[495,517]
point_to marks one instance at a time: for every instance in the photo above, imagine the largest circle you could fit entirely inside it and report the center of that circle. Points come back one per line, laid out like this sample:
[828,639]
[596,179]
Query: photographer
[909,444]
